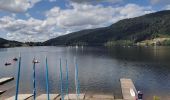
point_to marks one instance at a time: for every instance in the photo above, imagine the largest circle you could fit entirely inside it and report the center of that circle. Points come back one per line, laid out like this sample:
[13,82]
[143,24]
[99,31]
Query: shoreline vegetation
[150,42]
[158,41]
[124,43]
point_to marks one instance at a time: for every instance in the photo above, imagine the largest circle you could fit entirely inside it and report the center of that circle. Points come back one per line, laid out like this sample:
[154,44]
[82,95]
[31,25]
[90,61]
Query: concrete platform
[102,97]
[74,97]
[128,89]
[21,97]
[5,80]
[44,97]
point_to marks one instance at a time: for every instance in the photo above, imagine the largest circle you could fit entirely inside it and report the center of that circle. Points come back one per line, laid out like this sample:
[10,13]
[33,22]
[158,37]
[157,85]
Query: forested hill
[7,43]
[135,30]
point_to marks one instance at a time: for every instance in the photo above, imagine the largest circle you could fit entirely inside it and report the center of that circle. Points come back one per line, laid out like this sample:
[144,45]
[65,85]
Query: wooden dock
[52,97]
[5,80]
[128,92]
[74,97]
[128,89]
[21,97]
[101,97]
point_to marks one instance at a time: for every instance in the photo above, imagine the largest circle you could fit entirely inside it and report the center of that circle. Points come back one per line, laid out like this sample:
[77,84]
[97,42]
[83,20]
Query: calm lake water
[99,69]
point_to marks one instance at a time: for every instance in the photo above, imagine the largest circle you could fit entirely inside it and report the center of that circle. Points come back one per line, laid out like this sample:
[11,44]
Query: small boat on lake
[15,59]
[7,63]
[77,46]
[35,61]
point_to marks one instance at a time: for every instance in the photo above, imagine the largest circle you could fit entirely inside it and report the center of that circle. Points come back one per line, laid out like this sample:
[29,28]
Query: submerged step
[74,97]
[44,97]
[5,80]
[102,97]
[21,97]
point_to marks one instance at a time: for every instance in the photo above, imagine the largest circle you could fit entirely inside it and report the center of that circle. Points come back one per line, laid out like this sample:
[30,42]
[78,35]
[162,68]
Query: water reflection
[100,68]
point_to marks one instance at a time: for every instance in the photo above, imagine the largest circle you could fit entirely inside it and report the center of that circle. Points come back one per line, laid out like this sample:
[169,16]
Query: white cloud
[160,1]
[23,30]
[14,15]
[89,1]
[167,7]
[95,16]
[63,21]
[17,5]
[133,10]
[52,0]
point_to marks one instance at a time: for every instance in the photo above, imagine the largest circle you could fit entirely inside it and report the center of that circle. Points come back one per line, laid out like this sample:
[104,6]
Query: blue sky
[40,20]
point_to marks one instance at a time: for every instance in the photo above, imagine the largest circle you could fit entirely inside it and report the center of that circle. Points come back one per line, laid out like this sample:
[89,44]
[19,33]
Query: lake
[100,69]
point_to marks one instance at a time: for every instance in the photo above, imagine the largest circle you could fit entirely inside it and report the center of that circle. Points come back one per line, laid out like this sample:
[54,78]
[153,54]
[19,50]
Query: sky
[40,20]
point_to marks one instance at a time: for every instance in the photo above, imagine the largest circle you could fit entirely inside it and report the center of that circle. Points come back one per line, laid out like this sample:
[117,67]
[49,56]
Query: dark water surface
[99,69]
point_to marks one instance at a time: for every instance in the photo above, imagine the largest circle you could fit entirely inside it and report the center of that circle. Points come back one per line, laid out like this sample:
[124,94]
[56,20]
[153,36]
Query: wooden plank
[128,89]
[1,92]
[44,96]
[21,97]
[74,97]
[98,99]
[102,97]
[5,80]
